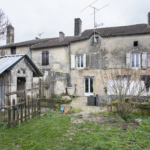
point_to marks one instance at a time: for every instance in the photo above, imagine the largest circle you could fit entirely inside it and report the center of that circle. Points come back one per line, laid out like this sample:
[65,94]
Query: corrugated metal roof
[8,61]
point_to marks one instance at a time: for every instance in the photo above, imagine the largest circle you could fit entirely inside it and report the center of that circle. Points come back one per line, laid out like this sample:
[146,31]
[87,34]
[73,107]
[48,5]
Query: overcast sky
[31,17]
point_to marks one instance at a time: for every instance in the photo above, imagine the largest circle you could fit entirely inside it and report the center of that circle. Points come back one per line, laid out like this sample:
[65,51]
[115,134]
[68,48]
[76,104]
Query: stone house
[80,60]
[16,73]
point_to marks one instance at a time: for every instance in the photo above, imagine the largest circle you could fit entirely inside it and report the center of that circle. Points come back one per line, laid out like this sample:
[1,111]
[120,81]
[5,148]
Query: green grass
[54,131]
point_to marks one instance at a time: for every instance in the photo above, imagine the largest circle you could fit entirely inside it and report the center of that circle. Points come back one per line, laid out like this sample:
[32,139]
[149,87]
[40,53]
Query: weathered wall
[58,66]
[52,83]
[58,58]
[19,50]
[108,54]
[28,74]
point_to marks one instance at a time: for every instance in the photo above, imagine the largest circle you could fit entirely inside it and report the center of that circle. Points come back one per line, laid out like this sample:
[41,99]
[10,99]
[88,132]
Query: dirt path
[81,103]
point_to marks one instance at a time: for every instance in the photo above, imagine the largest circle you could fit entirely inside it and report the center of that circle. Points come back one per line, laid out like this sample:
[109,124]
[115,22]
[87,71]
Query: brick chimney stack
[148,20]
[77,27]
[10,34]
[61,36]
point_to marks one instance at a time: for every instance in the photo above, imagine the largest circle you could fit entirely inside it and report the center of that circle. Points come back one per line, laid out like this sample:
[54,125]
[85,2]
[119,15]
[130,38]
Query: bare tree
[126,88]
[4,22]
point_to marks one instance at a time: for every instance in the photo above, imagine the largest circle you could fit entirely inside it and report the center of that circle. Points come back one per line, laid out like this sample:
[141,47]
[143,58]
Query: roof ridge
[117,26]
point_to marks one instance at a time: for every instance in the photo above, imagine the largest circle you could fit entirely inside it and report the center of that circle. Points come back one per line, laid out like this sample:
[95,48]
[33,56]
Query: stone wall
[108,55]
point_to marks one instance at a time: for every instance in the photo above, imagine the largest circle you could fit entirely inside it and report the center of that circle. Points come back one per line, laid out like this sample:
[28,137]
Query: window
[88,85]
[95,40]
[135,60]
[146,79]
[135,43]
[80,61]
[45,58]
[13,50]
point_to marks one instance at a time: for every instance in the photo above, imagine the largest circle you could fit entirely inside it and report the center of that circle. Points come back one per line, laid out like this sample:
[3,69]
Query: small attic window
[95,40]
[18,71]
[24,71]
[13,50]
[135,43]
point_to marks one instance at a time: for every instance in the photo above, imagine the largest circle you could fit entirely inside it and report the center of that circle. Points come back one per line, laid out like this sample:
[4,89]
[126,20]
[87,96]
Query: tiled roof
[30,42]
[53,42]
[104,32]
[121,30]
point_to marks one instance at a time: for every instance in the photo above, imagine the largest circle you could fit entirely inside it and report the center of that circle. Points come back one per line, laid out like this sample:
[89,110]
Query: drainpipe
[70,61]
[30,51]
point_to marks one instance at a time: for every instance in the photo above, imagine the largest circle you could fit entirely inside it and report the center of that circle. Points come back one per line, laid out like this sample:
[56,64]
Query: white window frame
[135,60]
[79,67]
[88,93]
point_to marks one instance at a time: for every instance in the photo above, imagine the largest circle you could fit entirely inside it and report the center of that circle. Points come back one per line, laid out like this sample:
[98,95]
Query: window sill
[80,68]
[135,67]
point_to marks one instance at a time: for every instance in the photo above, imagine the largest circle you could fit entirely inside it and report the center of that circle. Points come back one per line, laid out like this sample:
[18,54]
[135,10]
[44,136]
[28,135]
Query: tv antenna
[40,34]
[95,11]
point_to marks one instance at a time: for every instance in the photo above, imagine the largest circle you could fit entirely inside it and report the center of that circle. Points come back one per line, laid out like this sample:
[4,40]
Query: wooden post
[21,111]
[14,121]
[25,100]
[39,107]
[17,114]
[39,104]
[29,108]
[32,108]
[40,88]
[9,114]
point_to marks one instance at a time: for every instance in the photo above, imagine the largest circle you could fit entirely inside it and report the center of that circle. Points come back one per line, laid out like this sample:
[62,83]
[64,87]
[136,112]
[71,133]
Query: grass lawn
[54,131]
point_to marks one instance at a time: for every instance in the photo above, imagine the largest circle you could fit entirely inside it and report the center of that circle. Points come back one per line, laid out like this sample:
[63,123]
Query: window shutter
[76,61]
[144,60]
[84,60]
[47,58]
[72,61]
[42,58]
[128,60]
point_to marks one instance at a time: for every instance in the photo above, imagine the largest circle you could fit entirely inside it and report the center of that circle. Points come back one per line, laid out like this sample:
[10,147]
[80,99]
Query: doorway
[88,86]
[21,82]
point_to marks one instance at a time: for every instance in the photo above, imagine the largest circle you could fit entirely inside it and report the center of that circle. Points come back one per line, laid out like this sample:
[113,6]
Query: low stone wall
[142,109]
[50,103]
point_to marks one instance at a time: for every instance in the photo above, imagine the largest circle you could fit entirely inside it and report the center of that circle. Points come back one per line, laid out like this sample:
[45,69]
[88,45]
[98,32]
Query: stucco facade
[107,55]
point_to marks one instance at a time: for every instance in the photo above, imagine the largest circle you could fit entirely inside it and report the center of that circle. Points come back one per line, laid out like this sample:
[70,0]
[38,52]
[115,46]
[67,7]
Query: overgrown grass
[54,131]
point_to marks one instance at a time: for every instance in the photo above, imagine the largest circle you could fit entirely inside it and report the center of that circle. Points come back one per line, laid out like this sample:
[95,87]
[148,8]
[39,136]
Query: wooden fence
[20,110]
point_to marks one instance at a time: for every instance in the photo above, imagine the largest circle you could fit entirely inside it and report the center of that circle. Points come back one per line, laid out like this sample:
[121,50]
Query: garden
[78,131]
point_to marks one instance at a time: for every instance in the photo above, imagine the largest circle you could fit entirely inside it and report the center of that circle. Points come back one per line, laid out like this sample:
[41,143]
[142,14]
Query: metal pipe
[70,62]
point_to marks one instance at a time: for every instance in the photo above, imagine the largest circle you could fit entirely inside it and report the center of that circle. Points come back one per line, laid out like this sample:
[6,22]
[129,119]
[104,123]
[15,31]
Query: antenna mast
[94,15]
[40,34]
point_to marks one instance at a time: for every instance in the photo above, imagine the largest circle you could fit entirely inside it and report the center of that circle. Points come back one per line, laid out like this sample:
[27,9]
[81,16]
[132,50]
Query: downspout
[70,62]
[30,51]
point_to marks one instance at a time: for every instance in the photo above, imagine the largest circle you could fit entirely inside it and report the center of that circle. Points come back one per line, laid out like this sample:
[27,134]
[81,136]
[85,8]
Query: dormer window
[13,50]
[95,40]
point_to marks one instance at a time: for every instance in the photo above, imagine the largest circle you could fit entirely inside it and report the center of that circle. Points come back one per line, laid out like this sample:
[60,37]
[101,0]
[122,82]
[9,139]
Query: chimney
[77,27]
[148,19]
[10,34]
[61,36]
